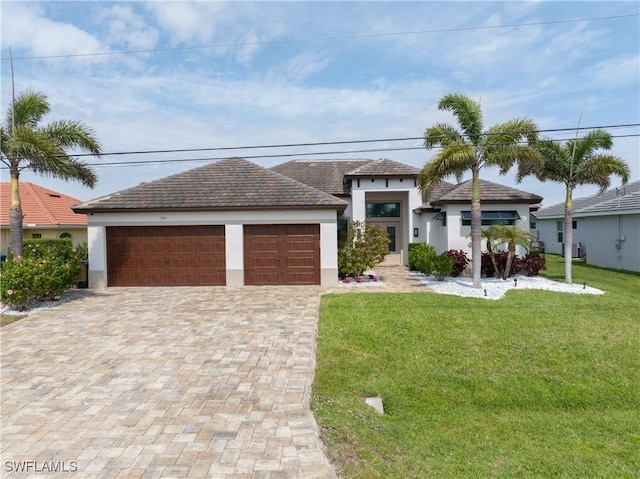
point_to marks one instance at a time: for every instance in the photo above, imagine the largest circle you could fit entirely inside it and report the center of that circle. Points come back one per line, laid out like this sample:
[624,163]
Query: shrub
[47,269]
[366,246]
[421,257]
[533,263]
[82,251]
[443,266]
[460,263]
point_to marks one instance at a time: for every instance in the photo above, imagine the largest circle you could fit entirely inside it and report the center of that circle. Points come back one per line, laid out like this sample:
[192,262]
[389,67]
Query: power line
[329,38]
[289,155]
[330,143]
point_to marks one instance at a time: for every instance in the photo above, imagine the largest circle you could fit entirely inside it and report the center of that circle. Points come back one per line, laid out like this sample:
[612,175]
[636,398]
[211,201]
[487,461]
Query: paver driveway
[164,382]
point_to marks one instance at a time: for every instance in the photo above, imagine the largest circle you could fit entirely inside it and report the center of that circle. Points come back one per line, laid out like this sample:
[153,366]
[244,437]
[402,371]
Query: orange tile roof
[40,206]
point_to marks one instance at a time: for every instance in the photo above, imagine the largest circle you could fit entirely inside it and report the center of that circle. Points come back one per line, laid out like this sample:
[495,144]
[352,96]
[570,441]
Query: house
[606,228]
[235,223]
[46,214]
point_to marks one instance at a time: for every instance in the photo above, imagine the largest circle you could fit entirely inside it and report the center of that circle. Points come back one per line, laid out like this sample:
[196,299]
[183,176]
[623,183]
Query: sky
[222,77]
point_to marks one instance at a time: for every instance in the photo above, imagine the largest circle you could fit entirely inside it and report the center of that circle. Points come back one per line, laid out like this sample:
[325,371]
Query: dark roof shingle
[325,175]
[227,184]
[489,193]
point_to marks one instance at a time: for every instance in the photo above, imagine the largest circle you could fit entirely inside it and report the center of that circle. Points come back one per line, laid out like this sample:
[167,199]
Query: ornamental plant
[443,266]
[421,257]
[460,263]
[48,268]
[365,247]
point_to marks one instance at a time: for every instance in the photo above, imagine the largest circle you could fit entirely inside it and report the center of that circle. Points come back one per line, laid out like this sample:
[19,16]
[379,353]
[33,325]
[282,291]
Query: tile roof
[325,175]
[388,168]
[40,206]
[623,198]
[489,193]
[226,184]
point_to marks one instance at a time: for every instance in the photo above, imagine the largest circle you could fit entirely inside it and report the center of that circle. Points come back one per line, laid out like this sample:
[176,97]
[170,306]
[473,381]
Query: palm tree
[513,236]
[491,237]
[43,149]
[574,163]
[470,149]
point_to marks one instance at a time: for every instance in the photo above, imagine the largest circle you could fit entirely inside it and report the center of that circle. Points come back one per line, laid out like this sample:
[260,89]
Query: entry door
[394,232]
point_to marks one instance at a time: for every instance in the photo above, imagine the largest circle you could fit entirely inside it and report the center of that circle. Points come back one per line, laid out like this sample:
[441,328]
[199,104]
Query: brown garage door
[281,254]
[165,256]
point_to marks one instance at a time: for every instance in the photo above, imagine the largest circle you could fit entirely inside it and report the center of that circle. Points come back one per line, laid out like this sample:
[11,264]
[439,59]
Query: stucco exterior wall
[233,222]
[598,235]
[78,234]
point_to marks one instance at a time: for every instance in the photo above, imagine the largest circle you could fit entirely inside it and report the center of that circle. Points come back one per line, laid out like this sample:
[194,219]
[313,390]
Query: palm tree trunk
[492,255]
[510,255]
[568,235]
[476,230]
[15,215]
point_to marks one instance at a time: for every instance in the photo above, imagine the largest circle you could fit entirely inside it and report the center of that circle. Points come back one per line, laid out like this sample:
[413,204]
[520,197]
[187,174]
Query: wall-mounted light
[416,232]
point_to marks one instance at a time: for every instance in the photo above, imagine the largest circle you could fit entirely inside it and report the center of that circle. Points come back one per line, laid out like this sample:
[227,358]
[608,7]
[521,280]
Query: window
[343,231]
[36,235]
[391,231]
[560,231]
[383,210]
[574,224]
[492,218]
[65,235]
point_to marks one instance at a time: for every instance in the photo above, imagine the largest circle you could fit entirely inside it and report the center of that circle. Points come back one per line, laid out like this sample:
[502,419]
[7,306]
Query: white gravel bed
[494,288]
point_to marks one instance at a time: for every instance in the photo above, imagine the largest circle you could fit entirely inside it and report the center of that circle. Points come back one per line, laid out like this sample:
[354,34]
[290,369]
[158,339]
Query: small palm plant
[513,236]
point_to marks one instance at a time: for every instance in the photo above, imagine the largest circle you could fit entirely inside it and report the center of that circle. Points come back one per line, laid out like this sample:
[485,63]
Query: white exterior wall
[404,191]
[234,241]
[546,231]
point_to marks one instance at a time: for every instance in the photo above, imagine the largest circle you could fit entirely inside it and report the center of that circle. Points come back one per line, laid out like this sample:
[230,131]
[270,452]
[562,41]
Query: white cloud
[616,72]
[129,29]
[26,27]
[187,21]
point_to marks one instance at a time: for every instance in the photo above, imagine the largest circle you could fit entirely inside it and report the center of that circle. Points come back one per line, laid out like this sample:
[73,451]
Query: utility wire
[329,38]
[330,143]
[289,155]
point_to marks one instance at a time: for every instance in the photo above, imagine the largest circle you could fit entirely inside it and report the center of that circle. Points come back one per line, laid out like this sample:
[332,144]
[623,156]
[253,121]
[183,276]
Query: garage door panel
[282,254]
[166,256]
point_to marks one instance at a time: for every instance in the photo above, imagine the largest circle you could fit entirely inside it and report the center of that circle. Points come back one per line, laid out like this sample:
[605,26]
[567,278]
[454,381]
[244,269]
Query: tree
[470,149]
[43,149]
[513,236]
[491,237]
[574,163]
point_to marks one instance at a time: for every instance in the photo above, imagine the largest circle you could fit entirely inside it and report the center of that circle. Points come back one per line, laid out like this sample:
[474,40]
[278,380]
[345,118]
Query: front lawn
[536,385]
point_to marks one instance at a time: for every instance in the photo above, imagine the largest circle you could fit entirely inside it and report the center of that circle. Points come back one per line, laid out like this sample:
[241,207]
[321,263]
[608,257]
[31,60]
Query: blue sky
[218,75]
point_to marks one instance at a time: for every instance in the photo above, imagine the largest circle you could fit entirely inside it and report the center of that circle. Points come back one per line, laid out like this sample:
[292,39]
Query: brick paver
[166,382]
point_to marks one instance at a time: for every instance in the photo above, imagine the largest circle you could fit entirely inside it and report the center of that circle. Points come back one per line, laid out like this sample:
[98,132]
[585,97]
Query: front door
[395,242]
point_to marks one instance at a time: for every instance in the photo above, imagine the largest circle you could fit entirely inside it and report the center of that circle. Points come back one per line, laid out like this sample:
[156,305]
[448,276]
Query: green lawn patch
[538,384]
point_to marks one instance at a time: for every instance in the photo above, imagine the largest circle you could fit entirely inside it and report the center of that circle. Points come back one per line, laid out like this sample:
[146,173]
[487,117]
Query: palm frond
[454,160]
[73,134]
[30,108]
[589,144]
[66,169]
[467,112]
[441,134]
[598,169]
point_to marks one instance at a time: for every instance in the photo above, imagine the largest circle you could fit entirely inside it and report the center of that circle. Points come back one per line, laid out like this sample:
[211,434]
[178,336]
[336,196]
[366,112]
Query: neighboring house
[606,228]
[235,223]
[46,214]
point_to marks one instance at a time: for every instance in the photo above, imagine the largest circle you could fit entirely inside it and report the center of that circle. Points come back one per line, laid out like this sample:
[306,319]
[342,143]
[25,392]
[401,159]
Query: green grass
[10,318]
[536,385]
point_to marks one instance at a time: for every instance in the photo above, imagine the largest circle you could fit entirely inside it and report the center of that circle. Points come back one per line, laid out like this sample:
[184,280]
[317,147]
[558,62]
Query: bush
[460,263]
[366,246]
[443,266]
[421,257]
[47,269]
[533,263]
[82,251]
